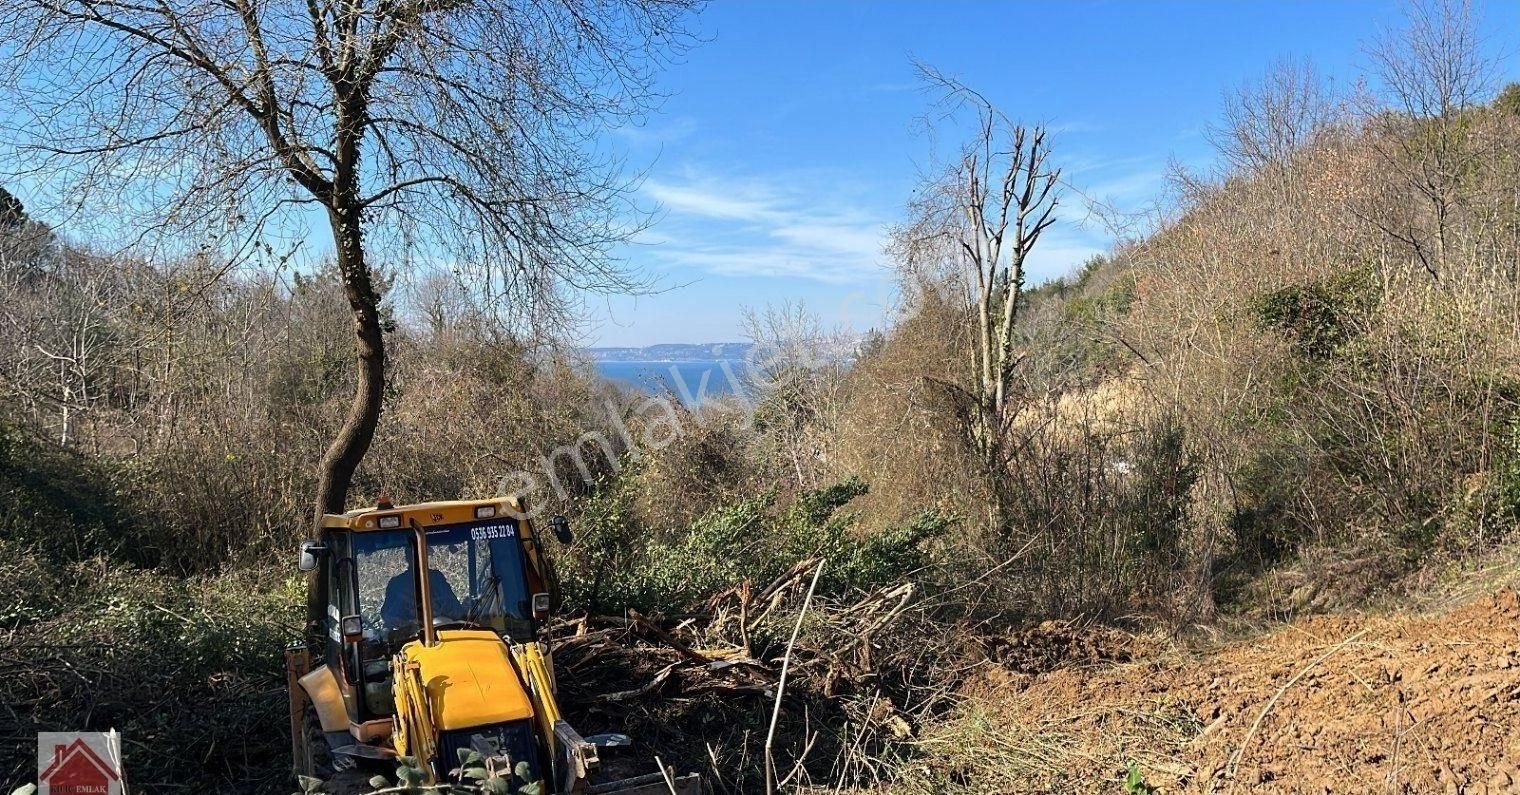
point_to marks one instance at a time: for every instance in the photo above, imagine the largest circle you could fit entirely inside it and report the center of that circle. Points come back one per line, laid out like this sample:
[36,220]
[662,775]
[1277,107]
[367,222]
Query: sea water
[683,379]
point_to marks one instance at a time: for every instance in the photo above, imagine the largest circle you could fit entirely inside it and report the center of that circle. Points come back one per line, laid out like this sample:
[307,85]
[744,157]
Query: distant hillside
[674,352]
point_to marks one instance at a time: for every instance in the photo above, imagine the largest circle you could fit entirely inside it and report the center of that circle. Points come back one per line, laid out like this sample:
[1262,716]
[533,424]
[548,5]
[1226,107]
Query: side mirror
[541,606]
[312,553]
[561,528]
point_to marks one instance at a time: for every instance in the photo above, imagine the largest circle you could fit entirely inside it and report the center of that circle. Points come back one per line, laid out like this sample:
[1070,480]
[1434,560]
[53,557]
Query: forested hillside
[1293,389]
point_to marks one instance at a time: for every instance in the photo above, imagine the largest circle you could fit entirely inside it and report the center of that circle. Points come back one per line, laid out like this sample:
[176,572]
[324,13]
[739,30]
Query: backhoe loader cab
[424,640]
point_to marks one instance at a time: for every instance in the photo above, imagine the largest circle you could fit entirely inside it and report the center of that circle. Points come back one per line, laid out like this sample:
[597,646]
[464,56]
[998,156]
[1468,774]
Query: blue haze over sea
[653,377]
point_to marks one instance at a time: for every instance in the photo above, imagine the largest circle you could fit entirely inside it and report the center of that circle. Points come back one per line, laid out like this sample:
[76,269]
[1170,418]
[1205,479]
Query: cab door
[338,572]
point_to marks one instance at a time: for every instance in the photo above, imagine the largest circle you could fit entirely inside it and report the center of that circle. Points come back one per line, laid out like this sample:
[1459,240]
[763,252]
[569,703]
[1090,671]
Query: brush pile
[708,679]
[733,646]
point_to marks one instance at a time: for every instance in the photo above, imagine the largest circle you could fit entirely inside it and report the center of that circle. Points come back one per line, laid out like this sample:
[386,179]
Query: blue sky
[790,139]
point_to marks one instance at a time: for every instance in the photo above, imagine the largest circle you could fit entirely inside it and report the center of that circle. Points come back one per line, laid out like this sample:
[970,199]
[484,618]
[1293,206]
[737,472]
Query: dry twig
[786,663]
[1234,766]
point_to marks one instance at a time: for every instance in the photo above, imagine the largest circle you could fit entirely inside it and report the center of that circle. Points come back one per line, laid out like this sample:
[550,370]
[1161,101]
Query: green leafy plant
[473,776]
[1134,780]
[1318,318]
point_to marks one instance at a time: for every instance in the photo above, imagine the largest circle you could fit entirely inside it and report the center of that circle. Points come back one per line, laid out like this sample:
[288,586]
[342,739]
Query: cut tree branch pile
[707,681]
[615,659]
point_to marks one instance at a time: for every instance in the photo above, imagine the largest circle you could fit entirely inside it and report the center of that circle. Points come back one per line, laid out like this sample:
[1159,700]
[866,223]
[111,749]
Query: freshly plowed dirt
[1332,704]
[1055,644]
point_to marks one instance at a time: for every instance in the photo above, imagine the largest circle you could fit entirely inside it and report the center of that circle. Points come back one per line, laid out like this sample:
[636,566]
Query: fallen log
[667,638]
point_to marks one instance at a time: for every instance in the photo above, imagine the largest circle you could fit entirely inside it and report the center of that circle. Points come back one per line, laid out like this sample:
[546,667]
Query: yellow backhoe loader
[425,642]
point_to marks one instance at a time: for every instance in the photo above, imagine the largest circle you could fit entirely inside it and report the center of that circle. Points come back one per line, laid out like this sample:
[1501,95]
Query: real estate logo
[79,763]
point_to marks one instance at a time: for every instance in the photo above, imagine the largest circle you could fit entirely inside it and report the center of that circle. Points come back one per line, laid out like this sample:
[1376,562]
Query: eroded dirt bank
[1331,704]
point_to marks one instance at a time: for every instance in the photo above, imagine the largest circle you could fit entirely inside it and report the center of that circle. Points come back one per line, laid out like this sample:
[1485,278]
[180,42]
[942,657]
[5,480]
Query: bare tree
[977,225]
[1267,122]
[796,368]
[462,133]
[1432,71]
[1434,67]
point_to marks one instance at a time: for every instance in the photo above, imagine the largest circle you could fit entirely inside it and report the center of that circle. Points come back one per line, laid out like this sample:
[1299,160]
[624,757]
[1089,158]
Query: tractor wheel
[319,755]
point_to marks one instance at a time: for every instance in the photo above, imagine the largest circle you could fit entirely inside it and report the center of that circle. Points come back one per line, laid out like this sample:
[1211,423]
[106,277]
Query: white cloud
[795,225]
[807,226]
[1078,164]
[706,202]
[842,238]
[1118,191]
[1128,189]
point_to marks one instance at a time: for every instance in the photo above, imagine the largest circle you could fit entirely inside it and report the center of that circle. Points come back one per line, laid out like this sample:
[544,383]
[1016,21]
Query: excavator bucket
[652,784]
[580,757]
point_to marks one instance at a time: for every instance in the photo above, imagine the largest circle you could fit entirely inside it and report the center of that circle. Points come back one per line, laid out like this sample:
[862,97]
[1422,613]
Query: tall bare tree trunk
[988,211]
[342,458]
[345,208]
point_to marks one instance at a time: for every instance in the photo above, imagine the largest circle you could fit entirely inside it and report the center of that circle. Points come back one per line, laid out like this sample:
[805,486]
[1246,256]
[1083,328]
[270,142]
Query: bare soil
[1331,704]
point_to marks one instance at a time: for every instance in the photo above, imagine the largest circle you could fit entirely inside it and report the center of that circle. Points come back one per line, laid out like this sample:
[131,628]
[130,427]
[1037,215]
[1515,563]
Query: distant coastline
[674,352]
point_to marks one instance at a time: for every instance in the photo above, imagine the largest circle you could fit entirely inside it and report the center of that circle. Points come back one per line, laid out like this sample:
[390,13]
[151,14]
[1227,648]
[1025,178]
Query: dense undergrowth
[627,564]
[189,669]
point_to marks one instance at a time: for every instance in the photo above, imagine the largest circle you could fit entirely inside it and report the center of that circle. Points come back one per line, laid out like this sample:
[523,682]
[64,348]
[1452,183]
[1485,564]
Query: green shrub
[1508,100]
[1319,317]
[1507,466]
[29,591]
[617,564]
[1156,506]
[61,503]
[1263,532]
[189,670]
[1097,519]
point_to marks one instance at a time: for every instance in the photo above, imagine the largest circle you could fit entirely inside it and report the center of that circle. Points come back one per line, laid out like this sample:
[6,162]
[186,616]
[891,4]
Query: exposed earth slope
[1332,704]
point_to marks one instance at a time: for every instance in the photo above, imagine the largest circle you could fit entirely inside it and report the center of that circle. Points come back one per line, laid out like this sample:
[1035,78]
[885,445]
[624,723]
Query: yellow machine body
[469,679]
[431,514]
[465,679]
[450,680]
[321,687]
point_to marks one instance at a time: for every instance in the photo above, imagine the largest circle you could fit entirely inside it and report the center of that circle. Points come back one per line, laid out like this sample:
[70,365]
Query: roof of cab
[426,513]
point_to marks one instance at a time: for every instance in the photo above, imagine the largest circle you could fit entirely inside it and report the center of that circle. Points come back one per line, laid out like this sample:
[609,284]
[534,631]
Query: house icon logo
[79,763]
